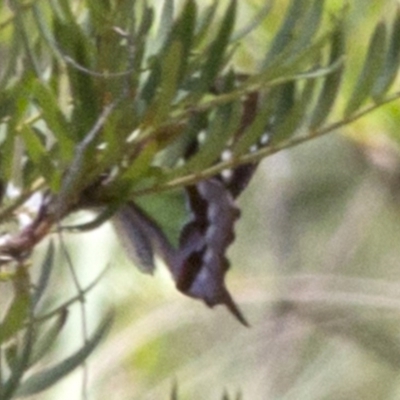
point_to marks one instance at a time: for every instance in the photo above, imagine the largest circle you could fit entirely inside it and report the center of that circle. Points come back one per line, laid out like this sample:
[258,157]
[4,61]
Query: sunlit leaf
[43,24]
[205,21]
[253,24]
[9,63]
[140,165]
[166,21]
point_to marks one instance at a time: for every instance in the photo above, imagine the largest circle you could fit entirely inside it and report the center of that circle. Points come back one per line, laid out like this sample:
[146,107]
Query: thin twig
[263,152]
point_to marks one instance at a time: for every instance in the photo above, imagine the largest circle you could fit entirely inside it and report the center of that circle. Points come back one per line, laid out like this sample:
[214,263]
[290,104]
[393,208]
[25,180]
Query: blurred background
[315,267]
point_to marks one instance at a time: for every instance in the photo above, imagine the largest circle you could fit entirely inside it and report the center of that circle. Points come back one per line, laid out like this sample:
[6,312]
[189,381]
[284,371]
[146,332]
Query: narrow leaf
[39,155]
[370,71]
[20,363]
[221,128]
[45,272]
[285,33]
[253,24]
[184,32]
[16,314]
[140,165]
[54,119]
[39,15]
[48,377]
[46,339]
[295,114]
[259,125]
[166,22]
[217,51]
[331,83]
[167,90]
[76,45]
[391,64]
[9,63]
[204,22]
[307,30]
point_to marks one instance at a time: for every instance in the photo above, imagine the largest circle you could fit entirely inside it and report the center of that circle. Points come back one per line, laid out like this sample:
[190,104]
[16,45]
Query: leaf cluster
[99,105]
[27,334]
[102,110]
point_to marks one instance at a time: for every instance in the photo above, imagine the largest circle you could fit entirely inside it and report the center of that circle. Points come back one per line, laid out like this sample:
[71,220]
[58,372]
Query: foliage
[99,104]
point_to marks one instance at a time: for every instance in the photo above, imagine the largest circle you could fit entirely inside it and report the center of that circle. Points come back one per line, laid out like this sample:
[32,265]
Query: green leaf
[7,156]
[292,111]
[139,36]
[216,53]
[9,63]
[64,6]
[391,63]
[370,72]
[257,127]
[223,125]
[39,15]
[331,83]
[308,27]
[86,100]
[146,21]
[14,104]
[285,34]
[46,339]
[20,363]
[288,67]
[31,57]
[140,165]
[16,314]
[99,12]
[48,377]
[167,91]
[204,22]
[54,119]
[166,22]
[40,157]
[45,272]
[253,24]
[183,31]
